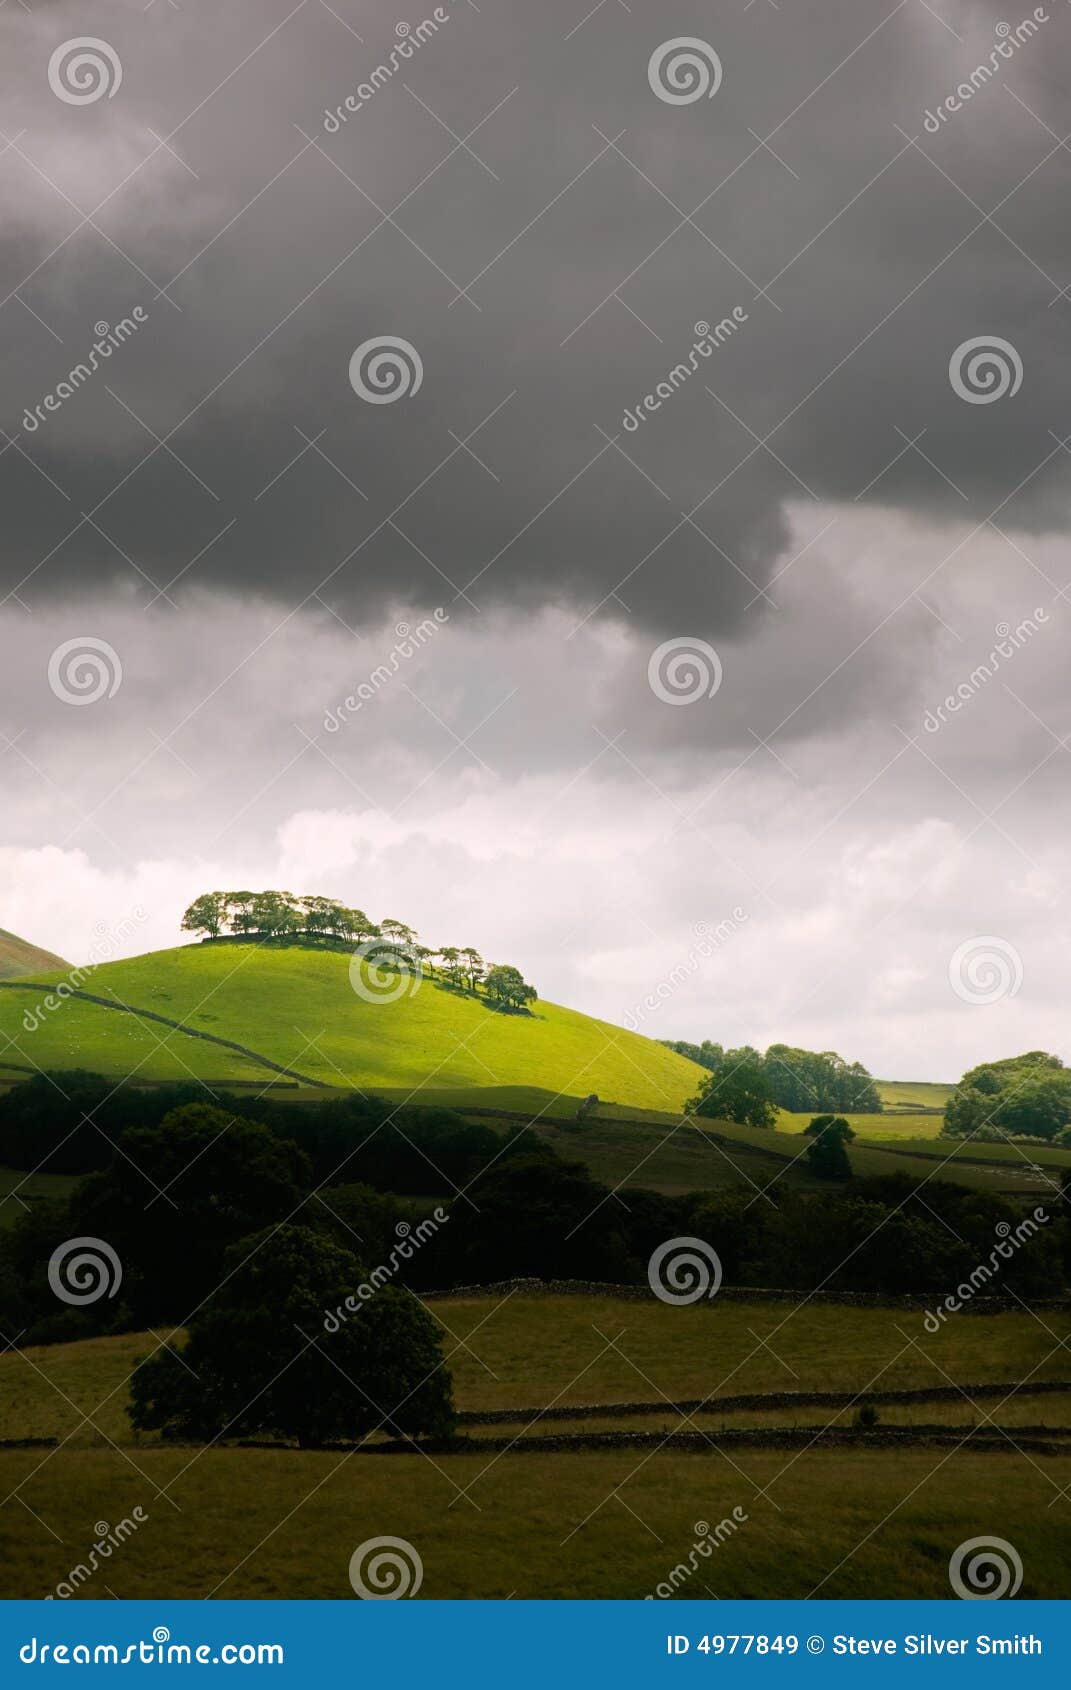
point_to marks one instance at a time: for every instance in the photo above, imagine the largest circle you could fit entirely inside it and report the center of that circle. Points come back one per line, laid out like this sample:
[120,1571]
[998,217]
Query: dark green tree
[180,1194]
[259,1360]
[206,915]
[827,1155]
[738,1090]
[1025,1096]
[506,987]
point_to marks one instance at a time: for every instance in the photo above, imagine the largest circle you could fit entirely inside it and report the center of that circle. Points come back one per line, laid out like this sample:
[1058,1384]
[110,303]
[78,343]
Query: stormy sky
[851,507]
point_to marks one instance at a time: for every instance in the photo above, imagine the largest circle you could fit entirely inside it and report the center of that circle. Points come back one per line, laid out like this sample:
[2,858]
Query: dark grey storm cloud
[518,204]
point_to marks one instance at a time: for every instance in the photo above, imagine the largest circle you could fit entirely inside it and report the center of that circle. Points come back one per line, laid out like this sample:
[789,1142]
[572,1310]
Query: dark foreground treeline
[421,1198]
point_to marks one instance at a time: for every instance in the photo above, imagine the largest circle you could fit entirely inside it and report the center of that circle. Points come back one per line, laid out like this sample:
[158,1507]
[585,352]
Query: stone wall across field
[746,1294]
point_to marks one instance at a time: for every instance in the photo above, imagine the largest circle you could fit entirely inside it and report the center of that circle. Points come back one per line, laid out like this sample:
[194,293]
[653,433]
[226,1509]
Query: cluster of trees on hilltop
[1026,1096]
[280,915]
[750,1086]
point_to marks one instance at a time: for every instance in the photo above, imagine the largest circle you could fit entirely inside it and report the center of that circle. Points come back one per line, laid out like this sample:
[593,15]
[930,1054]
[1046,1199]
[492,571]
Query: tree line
[281,915]
[261,1239]
[749,1086]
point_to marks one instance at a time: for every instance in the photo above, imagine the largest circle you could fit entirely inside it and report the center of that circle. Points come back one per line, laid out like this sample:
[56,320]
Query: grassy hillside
[862,1520]
[296,1007]
[19,957]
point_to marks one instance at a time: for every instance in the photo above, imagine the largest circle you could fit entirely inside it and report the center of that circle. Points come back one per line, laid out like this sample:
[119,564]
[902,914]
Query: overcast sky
[839,513]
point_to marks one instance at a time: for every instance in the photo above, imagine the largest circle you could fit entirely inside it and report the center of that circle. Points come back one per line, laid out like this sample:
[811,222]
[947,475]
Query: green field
[862,1520]
[912,1095]
[296,1007]
[678,1156]
[891,1126]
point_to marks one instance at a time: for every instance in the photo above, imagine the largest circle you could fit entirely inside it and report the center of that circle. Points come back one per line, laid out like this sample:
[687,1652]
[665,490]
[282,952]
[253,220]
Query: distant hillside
[19,957]
[244,1011]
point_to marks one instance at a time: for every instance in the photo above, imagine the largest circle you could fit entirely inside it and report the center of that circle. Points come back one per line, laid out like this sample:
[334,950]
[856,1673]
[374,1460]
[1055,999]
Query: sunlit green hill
[233,1011]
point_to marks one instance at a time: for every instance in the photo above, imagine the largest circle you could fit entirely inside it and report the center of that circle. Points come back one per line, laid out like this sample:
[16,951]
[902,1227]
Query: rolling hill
[261,1013]
[19,957]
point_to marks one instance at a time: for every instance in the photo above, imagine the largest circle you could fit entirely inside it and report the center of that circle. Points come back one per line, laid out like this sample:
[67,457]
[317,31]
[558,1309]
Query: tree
[476,966]
[318,914]
[737,1090]
[180,1194]
[1025,1096]
[239,907]
[359,927]
[799,1080]
[399,935]
[802,1080]
[260,1360]
[450,957]
[707,1055]
[275,913]
[828,1155]
[507,988]
[206,915]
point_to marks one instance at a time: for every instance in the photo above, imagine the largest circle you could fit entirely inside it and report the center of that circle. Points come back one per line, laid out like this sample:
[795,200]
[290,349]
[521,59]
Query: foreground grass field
[855,1521]
[297,1007]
